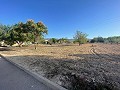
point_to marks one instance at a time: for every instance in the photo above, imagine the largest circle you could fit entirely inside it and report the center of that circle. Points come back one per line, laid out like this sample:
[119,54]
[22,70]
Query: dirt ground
[97,62]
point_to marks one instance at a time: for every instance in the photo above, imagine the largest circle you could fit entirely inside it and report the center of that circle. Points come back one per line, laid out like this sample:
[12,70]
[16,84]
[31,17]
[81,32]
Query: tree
[9,38]
[3,31]
[22,32]
[80,37]
[36,29]
[63,40]
[1,35]
[18,34]
[92,40]
[53,41]
[114,39]
[29,31]
[98,40]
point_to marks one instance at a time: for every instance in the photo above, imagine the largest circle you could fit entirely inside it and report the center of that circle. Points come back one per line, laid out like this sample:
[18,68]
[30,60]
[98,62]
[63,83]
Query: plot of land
[97,62]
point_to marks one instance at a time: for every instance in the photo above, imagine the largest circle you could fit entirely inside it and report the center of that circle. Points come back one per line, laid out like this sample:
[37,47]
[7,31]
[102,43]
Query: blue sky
[64,17]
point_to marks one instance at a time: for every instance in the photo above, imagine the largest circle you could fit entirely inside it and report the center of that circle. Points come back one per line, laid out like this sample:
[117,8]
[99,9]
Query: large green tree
[18,34]
[80,37]
[37,30]
[29,31]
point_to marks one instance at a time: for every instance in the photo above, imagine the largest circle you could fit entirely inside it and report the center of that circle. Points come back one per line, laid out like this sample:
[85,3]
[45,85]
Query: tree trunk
[19,43]
[35,46]
[35,40]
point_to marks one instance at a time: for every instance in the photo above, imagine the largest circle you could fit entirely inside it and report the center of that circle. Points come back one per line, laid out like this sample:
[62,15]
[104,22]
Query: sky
[64,17]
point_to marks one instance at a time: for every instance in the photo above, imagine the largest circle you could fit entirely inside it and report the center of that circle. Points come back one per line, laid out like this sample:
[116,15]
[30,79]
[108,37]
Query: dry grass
[97,62]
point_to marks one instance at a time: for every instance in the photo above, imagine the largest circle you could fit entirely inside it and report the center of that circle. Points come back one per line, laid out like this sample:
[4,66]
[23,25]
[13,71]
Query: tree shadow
[91,66]
[60,45]
[6,49]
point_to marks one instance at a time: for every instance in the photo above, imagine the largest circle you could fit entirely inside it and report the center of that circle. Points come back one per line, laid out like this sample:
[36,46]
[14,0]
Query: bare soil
[98,63]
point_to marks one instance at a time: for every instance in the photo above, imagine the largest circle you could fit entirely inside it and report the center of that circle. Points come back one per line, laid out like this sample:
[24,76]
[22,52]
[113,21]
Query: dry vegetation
[95,65]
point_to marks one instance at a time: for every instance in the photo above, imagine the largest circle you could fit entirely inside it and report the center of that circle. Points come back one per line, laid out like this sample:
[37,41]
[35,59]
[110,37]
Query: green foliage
[63,40]
[3,31]
[115,39]
[1,35]
[80,37]
[98,39]
[17,34]
[53,40]
[9,38]
[23,32]
[37,30]
[4,28]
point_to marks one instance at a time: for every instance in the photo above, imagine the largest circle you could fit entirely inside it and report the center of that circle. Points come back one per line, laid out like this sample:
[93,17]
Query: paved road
[13,78]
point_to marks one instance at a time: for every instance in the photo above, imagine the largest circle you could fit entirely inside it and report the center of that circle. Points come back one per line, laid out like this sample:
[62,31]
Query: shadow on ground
[111,57]
[5,49]
[93,72]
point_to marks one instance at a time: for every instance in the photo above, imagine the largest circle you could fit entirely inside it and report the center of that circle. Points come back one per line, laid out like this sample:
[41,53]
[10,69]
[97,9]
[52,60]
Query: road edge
[40,78]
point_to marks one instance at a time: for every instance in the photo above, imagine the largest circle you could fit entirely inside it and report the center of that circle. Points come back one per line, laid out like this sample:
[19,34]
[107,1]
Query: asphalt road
[13,78]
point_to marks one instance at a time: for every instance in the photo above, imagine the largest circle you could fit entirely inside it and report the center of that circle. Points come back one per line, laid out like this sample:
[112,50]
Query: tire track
[104,56]
[94,54]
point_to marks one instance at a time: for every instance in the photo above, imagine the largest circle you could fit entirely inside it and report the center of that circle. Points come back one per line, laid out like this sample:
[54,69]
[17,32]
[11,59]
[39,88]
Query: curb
[40,78]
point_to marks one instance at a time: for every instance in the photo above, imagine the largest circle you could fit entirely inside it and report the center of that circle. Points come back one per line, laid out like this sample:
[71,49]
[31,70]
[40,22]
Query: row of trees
[79,37]
[33,32]
[115,39]
[97,40]
[58,41]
